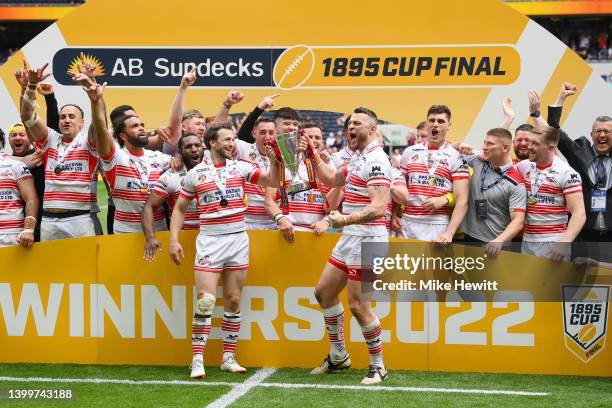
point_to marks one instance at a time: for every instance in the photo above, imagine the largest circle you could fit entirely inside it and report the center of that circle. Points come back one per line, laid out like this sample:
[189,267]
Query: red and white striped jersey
[11,203]
[397,179]
[255,212]
[131,177]
[201,183]
[430,172]
[70,169]
[306,207]
[366,169]
[546,219]
[342,157]
[169,186]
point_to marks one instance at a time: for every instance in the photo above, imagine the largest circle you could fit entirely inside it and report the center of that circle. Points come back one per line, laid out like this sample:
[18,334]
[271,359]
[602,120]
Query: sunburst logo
[84,60]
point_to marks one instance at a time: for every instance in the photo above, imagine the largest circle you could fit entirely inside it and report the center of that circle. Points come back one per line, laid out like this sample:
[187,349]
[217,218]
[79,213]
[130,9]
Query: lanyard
[62,149]
[598,162]
[219,176]
[435,164]
[483,176]
[142,168]
[536,183]
[260,159]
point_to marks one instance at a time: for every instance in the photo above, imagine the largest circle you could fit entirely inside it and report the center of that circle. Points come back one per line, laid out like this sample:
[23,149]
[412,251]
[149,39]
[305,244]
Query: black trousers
[593,244]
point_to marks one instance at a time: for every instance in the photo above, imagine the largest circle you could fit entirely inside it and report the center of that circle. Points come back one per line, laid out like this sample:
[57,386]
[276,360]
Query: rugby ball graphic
[293,67]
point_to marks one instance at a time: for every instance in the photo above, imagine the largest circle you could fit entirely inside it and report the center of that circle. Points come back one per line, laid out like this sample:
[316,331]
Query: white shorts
[346,255]
[7,240]
[542,249]
[215,253]
[424,232]
[71,227]
[258,226]
[302,228]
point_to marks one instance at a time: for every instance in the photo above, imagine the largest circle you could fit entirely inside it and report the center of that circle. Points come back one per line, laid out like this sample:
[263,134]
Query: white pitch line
[405,389]
[256,381]
[237,392]
[114,381]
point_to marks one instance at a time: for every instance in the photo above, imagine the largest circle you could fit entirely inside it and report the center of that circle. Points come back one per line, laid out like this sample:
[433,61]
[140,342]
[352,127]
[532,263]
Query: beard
[521,156]
[223,153]
[139,141]
[189,161]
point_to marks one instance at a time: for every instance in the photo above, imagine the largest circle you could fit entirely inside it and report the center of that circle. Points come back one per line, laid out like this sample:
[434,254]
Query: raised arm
[177,108]
[534,106]
[22,76]
[233,98]
[566,145]
[35,124]
[509,114]
[554,111]
[246,130]
[47,91]
[172,133]
[104,139]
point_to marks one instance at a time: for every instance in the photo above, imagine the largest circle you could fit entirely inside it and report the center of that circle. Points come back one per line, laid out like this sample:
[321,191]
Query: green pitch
[146,386]
[103,203]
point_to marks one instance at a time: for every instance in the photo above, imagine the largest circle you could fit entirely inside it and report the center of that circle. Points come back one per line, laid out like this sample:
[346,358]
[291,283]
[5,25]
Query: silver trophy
[286,148]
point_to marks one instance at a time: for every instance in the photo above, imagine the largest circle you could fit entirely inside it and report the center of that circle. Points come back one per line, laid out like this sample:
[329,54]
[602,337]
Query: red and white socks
[230,329]
[334,323]
[372,333]
[200,329]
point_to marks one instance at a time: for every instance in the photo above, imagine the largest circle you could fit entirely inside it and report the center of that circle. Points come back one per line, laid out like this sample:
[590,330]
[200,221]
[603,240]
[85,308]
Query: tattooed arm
[379,197]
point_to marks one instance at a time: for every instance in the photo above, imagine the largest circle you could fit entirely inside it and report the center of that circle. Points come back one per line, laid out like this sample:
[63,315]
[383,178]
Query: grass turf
[103,203]
[564,390]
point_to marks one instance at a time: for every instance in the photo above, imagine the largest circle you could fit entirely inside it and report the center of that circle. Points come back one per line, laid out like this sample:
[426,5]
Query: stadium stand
[41,2]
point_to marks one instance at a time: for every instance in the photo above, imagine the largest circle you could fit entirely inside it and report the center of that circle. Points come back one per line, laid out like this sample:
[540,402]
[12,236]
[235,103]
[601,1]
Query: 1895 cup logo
[585,315]
[297,66]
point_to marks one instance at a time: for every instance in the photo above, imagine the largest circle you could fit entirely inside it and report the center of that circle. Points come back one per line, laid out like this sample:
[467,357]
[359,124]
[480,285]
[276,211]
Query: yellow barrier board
[95,300]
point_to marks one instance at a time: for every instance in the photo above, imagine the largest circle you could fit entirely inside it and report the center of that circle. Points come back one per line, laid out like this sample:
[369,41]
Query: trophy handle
[310,168]
[284,199]
[274,145]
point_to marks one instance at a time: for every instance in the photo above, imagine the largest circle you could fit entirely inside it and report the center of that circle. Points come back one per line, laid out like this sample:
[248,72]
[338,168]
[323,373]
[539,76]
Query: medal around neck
[532,200]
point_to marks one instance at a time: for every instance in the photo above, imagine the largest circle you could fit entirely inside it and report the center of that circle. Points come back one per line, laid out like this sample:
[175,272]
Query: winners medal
[223,202]
[536,179]
[532,200]
[435,162]
[57,170]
